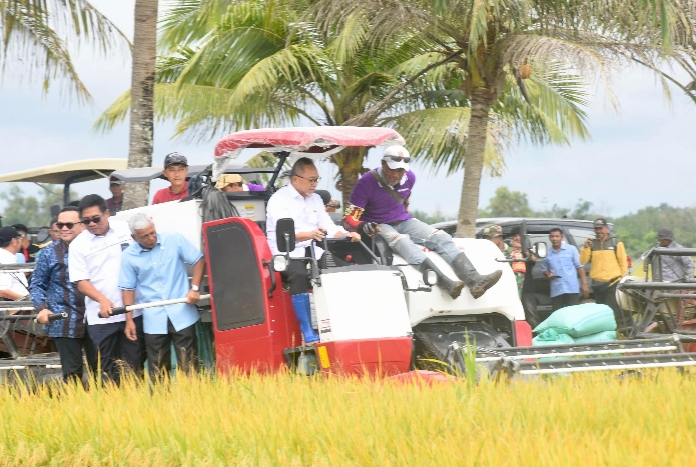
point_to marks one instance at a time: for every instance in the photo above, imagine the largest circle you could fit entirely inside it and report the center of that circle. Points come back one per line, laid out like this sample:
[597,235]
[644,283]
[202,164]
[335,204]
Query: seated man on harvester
[299,202]
[378,205]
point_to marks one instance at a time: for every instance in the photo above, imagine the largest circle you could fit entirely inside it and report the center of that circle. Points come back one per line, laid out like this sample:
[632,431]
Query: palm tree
[35,35]
[142,89]
[502,42]
[238,64]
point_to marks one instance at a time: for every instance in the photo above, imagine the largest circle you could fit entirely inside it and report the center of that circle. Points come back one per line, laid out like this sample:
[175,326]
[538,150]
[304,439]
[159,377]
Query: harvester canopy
[321,141]
[68,173]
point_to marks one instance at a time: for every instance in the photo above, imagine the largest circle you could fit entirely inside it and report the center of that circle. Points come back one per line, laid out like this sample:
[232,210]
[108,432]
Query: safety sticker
[323,357]
[324,326]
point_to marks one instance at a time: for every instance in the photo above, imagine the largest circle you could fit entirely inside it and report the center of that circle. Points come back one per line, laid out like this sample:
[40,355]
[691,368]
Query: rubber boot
[477,283]
[300,302]
[453,288]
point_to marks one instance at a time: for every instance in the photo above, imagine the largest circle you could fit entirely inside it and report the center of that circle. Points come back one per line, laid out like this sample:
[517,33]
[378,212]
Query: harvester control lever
[119,310]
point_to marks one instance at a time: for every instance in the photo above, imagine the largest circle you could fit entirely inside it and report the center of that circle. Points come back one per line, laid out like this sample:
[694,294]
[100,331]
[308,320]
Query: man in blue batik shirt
[155,266]
[52,292]
[562,267]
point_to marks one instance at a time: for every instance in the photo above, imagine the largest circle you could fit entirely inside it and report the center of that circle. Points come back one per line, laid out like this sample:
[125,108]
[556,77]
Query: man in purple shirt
[379,205]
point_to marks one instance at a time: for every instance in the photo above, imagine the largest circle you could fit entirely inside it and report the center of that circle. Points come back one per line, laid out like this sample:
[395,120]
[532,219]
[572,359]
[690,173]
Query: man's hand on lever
[42,317]
[105,309]
[354,236]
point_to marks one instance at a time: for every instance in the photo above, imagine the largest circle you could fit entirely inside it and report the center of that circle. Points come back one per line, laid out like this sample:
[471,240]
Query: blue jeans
[408,238]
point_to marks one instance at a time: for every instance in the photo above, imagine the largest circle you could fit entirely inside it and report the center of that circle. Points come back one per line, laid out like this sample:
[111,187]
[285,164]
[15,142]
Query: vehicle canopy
[297,142]
[67,173]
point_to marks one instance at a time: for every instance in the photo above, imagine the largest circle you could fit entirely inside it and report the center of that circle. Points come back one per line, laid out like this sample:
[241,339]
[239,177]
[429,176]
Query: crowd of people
[94,264]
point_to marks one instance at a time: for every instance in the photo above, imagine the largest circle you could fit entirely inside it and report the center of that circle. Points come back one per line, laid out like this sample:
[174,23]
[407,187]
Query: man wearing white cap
[379,205]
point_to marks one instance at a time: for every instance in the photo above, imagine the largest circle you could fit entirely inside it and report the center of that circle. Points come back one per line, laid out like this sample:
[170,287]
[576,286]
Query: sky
[638,156]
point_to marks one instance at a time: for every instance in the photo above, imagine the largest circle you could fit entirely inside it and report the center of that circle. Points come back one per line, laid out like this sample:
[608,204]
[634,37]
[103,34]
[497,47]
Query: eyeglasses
[312,181]
[399,159]
[70,225]
[93,219]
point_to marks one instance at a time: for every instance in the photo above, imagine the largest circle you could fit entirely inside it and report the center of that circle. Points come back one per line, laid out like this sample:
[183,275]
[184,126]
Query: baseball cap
[600,222]
[492,231]
[175,158]
[665,233]
[116,182]
[227,179]
[7,234]
[396,157]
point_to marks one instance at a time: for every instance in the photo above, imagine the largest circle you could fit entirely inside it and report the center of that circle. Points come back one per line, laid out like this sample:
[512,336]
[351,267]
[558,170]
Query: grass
[282,420]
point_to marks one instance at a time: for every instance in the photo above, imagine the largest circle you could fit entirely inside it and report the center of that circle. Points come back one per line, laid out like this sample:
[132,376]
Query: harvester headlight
[280,263]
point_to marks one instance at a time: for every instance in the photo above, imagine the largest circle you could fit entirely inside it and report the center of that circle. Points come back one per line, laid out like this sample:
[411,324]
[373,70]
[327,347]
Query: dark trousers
[296,275]
[159,353]
[564,300]
[70,351]
[608,297]
[113,345]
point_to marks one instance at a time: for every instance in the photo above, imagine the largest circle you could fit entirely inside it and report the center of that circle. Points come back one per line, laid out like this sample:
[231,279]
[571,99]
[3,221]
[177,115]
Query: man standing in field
[156,266]
[175,170]
[52,292]
[671,268]
[379,205]
[95,260]
[562,267]
[609,265]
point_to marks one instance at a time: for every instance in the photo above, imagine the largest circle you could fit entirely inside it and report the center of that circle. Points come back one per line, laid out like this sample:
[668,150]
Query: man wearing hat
[115,203]
[609,265]
[233,183]
[175,170]
[13,286]
[494,233]
[671,268]
[379,205]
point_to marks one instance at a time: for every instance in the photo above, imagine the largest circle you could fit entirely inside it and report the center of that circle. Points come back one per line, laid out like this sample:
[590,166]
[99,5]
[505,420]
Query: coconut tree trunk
[349,162]
[473,162]
[142,94]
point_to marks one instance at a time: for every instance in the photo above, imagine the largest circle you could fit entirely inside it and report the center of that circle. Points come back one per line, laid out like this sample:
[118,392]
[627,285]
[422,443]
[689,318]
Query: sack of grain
[580,320]
[551,337]
[604,336]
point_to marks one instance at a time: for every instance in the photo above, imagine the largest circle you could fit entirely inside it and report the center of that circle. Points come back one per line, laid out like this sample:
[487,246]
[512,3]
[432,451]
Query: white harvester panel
[502,298]
[254,209]
[361,304]
[174,216]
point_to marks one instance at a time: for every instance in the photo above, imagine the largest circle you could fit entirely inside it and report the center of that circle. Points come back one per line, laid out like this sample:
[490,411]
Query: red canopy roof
[309,140]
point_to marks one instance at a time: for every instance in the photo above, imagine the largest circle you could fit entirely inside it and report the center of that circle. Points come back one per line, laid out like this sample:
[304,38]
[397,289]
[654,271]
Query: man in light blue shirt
[154,266]
[562,267]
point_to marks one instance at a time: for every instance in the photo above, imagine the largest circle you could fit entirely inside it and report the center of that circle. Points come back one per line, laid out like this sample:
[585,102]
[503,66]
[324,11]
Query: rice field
[286,420]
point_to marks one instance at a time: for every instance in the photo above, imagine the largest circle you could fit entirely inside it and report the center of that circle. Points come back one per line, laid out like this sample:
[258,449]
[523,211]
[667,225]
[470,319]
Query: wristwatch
[194,288]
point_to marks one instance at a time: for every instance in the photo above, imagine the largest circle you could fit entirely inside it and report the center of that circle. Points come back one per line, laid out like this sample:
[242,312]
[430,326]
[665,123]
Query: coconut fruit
[525,71]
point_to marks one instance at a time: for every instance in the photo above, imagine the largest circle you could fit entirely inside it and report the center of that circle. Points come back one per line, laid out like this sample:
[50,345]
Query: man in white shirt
[13,286]
[299,202]
[94,263]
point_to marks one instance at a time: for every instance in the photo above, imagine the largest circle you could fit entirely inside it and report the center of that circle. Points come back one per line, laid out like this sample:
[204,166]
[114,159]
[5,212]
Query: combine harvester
[377,316]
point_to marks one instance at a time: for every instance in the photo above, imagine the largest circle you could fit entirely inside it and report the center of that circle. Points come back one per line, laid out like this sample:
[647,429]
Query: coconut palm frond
[38,34]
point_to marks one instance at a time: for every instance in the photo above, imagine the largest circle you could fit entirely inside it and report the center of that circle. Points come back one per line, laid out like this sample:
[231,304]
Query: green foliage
[508,203]
[432,217]
[38,35]
[30,210]
[637,230]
